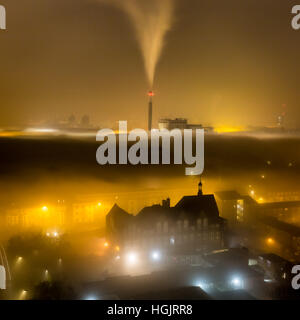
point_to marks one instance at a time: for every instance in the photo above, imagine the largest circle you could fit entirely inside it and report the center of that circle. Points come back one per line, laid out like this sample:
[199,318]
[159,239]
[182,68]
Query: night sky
[231,62]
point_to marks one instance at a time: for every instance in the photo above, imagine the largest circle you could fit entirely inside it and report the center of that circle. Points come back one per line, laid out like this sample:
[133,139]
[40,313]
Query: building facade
[192,225]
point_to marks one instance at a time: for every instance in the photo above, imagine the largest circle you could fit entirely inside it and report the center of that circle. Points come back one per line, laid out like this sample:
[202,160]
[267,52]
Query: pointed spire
[200,191]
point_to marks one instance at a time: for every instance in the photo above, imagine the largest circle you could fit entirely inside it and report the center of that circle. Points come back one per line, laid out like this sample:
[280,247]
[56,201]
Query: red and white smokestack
[150,109]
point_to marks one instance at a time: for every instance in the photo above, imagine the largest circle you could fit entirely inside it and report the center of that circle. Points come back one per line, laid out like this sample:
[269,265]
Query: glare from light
[132,258]
[270,241]
[20,259]
[202,285]
[106,244]
[99,204]
[45,208]
[155,255]
[23,295]
[117,248]
[252,192]
[236,282]
[55,234]
[41,130]
[91,297]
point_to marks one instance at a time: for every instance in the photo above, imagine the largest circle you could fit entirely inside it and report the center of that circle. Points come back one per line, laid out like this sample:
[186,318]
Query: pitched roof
[155,212]
[194,205]
[272,257]
[117,211]
[117,218]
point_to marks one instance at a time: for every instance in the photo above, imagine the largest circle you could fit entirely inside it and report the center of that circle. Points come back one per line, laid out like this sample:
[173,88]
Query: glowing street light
[155,255]
[46,274]
[237,282]
[132,258]
[270,241]
[99,204]
[23,295]
[106,244]
[45,208]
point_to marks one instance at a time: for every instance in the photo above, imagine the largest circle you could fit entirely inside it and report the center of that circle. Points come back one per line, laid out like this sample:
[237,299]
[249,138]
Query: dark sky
[225,63]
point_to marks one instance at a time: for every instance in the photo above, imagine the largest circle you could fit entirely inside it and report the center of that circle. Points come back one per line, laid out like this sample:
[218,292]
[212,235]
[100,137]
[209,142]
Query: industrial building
[180,123]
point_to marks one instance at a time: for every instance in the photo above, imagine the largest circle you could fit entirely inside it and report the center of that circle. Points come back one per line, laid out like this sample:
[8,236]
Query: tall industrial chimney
[150,94]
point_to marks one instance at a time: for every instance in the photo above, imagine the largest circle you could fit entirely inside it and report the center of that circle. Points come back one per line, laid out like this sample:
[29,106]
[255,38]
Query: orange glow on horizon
[229,129]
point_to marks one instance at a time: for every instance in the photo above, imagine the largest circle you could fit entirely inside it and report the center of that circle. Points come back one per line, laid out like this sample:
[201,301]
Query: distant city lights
[53,234]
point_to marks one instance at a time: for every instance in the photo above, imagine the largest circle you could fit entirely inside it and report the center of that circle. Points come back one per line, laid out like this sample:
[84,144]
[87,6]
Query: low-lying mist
[41,169]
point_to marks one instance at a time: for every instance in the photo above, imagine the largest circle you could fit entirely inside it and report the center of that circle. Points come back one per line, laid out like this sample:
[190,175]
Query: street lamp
[155,255]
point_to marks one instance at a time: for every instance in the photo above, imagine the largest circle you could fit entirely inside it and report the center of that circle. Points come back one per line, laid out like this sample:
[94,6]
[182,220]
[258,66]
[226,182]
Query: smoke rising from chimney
[152,19]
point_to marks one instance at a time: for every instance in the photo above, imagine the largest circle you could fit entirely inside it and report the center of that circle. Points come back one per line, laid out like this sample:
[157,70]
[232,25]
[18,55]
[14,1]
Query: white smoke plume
[152,19]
